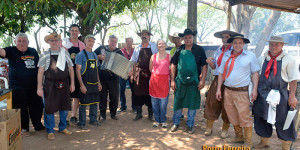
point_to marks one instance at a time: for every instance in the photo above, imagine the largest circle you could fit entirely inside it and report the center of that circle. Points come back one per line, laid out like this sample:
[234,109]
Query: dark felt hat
[238,36]
[187,32]
[144,31]
[220,33]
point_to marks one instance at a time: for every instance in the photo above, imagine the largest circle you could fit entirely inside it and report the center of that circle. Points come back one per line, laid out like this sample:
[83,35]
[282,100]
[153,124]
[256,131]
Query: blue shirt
[244,65]
[216,56]
[136,52]
[81,59]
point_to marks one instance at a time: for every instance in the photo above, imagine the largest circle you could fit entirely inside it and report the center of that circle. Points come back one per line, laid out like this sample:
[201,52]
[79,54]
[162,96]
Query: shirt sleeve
[78,59]
[135,55]
[290,69]
[175,58]
[254,64]
[203,60]
[42,61]
[154,48]
[221,69]
[8,52]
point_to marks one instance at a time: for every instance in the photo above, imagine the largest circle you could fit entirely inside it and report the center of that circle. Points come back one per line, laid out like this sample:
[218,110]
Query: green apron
[187,94]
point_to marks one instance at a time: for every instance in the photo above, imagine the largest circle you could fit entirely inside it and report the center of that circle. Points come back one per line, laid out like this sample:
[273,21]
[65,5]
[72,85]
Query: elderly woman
[159,83]
[55,66]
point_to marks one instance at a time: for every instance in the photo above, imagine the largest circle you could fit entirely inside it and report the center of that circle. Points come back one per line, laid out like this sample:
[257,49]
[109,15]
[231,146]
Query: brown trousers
[213,107]
[237,104]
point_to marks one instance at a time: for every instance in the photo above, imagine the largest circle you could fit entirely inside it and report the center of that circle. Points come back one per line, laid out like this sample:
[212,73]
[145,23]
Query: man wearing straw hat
[213,107]
[279,71]
[55,67]
[176,40]
[236,70]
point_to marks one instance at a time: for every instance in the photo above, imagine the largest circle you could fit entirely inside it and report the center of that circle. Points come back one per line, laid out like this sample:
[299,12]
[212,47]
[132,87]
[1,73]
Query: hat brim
[171,38]
[277,41]
[246,41]
[139,34]
[183,34]
[219,34]
[47,37]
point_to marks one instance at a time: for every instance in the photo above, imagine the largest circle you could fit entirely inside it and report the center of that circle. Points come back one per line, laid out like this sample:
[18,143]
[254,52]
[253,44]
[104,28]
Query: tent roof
[281,5]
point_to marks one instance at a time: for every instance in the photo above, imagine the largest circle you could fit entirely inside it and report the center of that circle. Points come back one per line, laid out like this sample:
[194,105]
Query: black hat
[144,31]
[220,33]
[238,36]
[187,32]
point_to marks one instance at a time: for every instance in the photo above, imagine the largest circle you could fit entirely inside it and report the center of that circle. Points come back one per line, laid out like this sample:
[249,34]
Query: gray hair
[161,40]
[128,38]
[22,35]
[112,37]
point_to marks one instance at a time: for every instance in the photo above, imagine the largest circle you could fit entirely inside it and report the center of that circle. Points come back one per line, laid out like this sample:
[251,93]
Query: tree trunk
[270,24]
[23,22]
[36,39]
[192,16]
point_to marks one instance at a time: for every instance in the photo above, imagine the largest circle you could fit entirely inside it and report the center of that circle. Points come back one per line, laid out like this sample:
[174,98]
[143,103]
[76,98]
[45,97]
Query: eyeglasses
[54,40]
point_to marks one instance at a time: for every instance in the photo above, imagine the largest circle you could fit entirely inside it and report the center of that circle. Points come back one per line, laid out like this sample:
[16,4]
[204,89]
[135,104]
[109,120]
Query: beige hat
[52,36]
[277,39]
[144,31]
[175,35]
[89,36]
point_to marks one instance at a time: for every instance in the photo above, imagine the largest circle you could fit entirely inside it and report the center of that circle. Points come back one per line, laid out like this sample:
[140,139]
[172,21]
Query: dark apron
[56,87]
[260,107]
[73,51]
[142,73]
[90,81]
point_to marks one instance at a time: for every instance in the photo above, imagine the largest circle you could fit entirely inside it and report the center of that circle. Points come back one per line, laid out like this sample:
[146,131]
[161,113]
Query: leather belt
[245,88]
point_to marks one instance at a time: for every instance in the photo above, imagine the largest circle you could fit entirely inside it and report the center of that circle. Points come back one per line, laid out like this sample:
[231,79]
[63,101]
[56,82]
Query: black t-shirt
[198,53]
[106,74]
[22,68]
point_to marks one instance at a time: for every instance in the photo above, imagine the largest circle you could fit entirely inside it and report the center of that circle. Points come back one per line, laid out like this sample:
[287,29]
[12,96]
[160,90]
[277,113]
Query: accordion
[117,64]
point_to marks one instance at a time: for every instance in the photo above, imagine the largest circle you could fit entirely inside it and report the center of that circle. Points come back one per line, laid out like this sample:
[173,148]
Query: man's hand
[293,102]
[72,87]
[218,95]
[40,92]
[99,86]
[101,57]
[253,95]
[173,85]
[201,85]
[83,89]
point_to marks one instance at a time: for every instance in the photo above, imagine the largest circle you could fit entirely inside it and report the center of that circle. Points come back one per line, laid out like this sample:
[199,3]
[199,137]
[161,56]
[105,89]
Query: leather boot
[264,143]
[239,138]
[248,137]
[225,128]
[138,113]
[286,145]
[209,127]
[150,113]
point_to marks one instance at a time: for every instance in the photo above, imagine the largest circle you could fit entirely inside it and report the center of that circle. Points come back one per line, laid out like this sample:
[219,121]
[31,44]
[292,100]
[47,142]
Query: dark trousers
[31,105]
[122,93]
[111,88]
[141,100]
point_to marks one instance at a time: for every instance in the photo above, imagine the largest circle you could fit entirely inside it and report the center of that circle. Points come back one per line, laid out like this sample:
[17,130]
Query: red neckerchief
[221,56]
[273,59]
[233,56]
[146,46]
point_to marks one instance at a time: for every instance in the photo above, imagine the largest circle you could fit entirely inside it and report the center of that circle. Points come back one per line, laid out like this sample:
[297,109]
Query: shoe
[191,130]
[264,143]
[155,124]
[114,117]
[225,127]
[95,123]
[51,136]
[121,110]
[25,133]
[74,120]
[82,127]
[164,125]
[66,131]
[138,114]
[174,128]
[134,111]
[102,117]
[209,127]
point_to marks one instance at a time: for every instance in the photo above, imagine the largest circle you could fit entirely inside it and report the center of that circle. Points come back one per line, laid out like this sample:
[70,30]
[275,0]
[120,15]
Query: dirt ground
[128,134]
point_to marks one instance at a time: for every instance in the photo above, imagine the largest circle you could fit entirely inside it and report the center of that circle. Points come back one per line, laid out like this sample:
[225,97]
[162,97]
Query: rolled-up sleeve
[135,54]
[290,69]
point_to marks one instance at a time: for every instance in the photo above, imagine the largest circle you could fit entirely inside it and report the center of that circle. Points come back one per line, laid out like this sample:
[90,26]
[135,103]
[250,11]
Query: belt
[245,88]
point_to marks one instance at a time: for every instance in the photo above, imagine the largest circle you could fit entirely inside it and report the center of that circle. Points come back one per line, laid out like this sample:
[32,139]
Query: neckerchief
[233,56]
[269,65]
[221,56]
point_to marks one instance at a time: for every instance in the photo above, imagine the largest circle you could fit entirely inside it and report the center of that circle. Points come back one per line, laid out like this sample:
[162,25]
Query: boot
[264,143]
[286,145]
[209,126]
[138,113]
[225,128]
[238,134]
[150,113]
[248,137]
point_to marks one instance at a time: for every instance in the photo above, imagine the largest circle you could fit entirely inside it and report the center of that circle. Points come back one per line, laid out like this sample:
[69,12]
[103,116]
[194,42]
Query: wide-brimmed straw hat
[238,36]
[144,31]
[52,36]
[175,35]
[187,32]
[220,33]
[277,39]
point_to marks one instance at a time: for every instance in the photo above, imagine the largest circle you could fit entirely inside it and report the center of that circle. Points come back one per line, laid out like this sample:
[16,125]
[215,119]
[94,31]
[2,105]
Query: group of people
[71,69]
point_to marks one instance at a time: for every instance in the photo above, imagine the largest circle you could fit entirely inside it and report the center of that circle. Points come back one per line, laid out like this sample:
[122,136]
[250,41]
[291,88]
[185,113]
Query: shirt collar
[277,58]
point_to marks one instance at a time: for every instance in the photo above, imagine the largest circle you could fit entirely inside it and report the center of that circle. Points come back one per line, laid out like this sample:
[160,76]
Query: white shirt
[136,52]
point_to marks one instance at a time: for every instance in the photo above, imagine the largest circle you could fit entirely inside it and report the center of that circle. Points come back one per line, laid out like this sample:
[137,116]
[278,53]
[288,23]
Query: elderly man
[127,52]
[23,80]
[213,107]
[176,40]
[74,46]
[279,70]
[190,63]
[141,74]
[109,80]
[236,70]
[55,67]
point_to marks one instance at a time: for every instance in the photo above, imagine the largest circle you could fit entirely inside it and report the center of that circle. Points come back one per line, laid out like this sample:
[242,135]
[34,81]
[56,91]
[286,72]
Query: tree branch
[212,4]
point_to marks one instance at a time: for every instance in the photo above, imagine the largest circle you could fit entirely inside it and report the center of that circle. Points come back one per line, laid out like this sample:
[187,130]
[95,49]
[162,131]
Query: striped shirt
[45,59]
